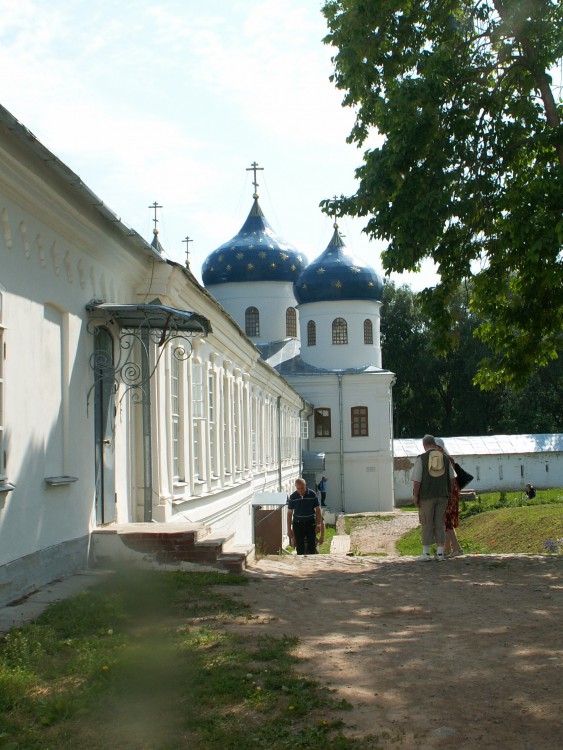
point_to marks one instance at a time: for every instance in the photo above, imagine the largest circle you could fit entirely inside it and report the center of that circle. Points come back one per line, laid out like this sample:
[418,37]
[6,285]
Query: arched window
[311,333]
[339,331]
[291,322]
[252,321]
[368,332]
[359,421]
[322,423]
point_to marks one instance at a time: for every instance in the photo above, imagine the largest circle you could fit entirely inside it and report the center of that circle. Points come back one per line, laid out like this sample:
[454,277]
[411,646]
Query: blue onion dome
[256,253]
[337,275]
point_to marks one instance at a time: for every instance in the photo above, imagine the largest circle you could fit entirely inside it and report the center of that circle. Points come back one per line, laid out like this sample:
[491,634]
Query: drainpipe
[341,426]
[301,442]
[278,401]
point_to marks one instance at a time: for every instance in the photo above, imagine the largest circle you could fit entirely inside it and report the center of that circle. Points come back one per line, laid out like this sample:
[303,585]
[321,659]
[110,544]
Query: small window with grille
[339,331]
[311,333]
[291,322]
[252,321]
[368,332]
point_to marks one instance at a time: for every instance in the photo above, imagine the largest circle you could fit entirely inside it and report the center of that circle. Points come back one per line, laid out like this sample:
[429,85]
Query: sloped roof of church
[256,253]
[337,275]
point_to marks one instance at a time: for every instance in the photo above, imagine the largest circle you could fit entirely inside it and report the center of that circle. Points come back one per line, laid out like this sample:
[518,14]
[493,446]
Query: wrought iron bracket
[145,331]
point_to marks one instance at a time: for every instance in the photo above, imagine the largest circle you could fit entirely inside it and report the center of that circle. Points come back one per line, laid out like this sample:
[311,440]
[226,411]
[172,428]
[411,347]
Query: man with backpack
[433,478]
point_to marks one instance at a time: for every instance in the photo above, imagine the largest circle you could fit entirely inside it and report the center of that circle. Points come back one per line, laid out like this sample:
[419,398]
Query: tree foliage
[470,172]
[436,392]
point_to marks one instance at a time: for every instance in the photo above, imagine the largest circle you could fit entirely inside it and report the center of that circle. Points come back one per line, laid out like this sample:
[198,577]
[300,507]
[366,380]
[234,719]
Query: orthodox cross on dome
[155,206]
[333,212]
[187,240]
[255,168]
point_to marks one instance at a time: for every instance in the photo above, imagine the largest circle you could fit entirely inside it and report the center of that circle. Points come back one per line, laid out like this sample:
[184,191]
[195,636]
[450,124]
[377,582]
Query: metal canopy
[151,316]
[145,332]
[313,461]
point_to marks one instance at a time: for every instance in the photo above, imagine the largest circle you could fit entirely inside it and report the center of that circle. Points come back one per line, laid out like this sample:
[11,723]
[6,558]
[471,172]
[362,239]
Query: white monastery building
[137,405]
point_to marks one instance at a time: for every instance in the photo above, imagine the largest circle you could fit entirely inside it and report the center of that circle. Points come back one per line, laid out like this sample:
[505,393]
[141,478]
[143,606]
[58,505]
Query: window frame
[368,332]
[359,421]
[323,422]
[311,333]
[252,321]
[339,332]
[291,322]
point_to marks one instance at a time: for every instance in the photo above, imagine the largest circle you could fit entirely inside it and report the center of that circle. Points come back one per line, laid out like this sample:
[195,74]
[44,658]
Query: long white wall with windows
[81,443]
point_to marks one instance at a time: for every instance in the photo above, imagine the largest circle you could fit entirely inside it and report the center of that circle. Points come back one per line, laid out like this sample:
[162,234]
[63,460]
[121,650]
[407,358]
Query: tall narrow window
[212,423]
[2,454]
[291,322]
[368,332]
[197,415]
[322,423]
[339,331]
[359,421]
[311,333]
[252,321]
[177,414]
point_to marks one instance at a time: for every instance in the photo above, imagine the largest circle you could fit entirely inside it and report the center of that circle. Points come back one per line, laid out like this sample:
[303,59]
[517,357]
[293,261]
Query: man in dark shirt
[304,518]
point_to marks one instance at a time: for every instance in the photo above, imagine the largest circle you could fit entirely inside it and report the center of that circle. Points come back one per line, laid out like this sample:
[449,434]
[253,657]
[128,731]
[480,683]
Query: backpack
[436,467]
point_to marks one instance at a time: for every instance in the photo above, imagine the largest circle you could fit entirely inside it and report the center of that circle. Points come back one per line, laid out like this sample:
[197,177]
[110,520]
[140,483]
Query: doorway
[104,411]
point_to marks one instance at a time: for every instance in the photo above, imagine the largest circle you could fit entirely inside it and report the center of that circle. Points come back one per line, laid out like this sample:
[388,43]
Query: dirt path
[460,655]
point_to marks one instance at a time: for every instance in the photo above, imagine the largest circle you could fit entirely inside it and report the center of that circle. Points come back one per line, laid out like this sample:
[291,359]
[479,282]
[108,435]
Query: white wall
[359,469]
[355,353]
[509,473]
[271,298]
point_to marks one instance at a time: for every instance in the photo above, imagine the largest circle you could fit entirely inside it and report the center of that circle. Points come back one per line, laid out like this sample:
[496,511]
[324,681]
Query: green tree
[470,172]
[434,392]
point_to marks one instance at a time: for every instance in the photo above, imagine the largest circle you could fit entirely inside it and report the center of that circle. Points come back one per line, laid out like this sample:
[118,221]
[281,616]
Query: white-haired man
[433,477]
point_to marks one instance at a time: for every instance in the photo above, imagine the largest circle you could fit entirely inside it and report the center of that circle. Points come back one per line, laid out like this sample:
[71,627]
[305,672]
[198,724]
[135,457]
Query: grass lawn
[502,523]
[143,661]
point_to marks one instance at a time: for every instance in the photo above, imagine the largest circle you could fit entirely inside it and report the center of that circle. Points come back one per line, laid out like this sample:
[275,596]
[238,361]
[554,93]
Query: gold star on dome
[370,283]
[211,270]
[261,254]
[284,256]
[300,258]
[271,246]
[338,284]
[239,256]
[251,247]
[293,267]
[320,271]
[250,266]
[272,265]
[229,267]
[221,258]
[355,269]
[261,239]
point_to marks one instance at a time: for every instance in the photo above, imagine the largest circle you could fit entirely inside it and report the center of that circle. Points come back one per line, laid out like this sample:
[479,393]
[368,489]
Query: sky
[172,101]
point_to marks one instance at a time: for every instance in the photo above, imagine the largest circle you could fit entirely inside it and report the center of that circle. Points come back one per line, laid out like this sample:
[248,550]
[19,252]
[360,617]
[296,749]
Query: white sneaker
[439,557]
[425,557]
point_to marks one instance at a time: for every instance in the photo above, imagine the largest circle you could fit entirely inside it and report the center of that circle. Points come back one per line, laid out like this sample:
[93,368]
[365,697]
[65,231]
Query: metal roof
[485,445]
[256,253]
[337,275]
[151,316]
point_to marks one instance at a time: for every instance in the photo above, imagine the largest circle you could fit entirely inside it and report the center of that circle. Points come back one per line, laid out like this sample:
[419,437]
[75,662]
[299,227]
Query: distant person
[432,482]
[322,490]
[304,519]
[452,547]
[530,491]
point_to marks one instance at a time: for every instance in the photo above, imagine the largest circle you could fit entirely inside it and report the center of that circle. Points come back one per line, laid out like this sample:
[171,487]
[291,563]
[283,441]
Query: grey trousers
[431,514]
